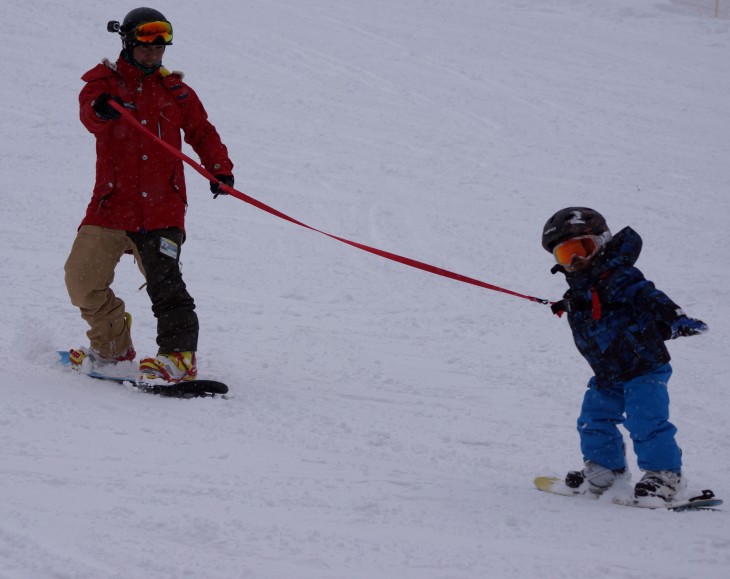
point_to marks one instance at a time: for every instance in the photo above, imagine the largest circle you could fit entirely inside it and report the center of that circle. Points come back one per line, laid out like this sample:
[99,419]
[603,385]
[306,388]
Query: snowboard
[186,389]
[704,501]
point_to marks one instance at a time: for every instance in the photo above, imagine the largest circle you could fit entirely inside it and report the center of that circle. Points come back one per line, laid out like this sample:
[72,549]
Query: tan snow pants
[89,275]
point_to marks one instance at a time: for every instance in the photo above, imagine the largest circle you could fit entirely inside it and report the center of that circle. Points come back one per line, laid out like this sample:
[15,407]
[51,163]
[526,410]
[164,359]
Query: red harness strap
[595,304]
[129,117]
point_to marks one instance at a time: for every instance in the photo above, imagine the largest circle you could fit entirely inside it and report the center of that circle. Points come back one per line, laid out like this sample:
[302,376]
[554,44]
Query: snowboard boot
[663,484]
[173,367]
[594,478]
[88,360]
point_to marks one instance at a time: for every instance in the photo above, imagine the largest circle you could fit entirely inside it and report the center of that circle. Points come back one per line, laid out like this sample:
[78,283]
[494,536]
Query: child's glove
[684,326]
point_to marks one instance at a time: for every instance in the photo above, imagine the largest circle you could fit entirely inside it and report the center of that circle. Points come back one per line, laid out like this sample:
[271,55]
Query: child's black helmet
[572,222]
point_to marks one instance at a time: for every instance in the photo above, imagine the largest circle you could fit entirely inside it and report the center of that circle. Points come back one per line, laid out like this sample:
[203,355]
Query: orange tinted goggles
[150,32]
[584,246]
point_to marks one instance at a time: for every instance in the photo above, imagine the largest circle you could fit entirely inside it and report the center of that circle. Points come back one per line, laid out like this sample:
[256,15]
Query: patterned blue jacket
[619,319]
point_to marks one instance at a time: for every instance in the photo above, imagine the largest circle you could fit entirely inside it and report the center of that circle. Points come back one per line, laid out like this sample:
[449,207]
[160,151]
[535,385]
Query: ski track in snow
[383,422]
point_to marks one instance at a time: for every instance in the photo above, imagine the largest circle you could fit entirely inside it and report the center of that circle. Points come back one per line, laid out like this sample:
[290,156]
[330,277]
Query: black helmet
[573,222]
[129,33]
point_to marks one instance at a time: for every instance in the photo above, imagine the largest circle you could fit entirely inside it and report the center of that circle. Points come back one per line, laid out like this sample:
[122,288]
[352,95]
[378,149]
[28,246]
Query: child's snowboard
[186,389]
[704,501]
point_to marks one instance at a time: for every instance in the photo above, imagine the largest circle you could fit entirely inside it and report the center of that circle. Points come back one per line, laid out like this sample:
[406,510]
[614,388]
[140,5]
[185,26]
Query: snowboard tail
[184,389]
[704,501]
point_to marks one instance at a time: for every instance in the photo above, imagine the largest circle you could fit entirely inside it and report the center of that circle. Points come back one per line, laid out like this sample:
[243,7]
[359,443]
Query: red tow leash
[129,117]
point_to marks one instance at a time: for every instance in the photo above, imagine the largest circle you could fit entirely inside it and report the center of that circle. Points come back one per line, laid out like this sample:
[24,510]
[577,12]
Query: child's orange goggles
[584,246]
[150,32]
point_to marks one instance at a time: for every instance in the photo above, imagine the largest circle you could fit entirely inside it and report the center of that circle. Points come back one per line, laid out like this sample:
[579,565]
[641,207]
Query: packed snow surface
[383,422]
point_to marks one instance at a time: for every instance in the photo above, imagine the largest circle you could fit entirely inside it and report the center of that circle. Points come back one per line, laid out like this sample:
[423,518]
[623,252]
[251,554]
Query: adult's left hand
[215,185]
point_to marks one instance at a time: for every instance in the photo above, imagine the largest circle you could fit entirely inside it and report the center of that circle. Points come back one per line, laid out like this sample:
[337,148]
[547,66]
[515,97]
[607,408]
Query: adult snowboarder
[139,201]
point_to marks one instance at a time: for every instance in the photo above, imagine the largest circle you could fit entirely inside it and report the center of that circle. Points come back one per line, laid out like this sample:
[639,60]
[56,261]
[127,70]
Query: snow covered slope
[385,422]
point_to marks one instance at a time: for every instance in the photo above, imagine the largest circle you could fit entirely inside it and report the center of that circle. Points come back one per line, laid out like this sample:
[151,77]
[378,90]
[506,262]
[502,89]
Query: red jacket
[140,186]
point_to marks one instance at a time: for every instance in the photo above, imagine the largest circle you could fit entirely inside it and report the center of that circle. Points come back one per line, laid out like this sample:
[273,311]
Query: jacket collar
[132,74]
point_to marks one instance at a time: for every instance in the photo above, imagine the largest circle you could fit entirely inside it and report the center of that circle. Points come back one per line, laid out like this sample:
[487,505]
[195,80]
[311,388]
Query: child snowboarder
[619,322]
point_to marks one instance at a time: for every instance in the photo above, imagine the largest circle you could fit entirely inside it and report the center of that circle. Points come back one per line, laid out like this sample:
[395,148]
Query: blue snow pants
[642,406]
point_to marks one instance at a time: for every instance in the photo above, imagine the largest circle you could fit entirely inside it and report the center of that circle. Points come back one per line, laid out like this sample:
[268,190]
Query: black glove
[103,109]
[215,187]
[684,326]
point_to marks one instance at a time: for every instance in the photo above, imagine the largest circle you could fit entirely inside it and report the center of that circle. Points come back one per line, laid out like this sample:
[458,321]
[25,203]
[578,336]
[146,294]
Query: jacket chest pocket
[170,116]
[159,113]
